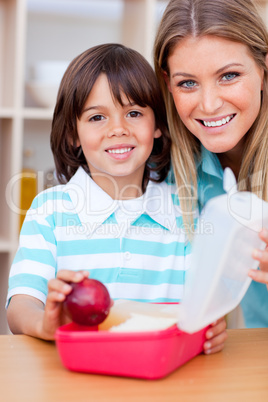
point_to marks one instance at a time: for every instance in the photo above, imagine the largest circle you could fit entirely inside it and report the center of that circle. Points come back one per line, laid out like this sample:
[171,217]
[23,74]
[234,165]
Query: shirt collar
[91,203]
[159,205]
[209,163]
[94,206]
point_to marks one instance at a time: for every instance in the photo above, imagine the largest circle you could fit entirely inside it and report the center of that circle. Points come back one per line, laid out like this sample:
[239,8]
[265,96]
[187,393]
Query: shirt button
[127,255]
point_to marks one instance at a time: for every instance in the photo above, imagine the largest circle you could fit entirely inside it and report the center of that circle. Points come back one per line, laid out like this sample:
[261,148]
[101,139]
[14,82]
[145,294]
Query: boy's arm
[25,315]
[28,315]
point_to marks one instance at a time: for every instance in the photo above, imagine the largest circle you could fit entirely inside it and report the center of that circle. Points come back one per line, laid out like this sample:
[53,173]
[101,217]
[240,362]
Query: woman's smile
[217,121]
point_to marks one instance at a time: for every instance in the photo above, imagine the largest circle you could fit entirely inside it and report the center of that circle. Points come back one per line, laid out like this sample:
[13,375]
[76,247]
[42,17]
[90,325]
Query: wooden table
[31,371]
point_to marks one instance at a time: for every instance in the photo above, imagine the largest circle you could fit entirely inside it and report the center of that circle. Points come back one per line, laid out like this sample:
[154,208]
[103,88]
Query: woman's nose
[211,100]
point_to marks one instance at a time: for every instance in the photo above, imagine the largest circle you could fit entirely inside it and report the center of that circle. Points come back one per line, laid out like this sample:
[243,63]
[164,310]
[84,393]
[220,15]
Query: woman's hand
[261,275]
[216,335]
[58,289]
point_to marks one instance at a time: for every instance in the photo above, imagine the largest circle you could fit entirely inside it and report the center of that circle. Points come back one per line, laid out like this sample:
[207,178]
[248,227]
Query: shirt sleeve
[35,261]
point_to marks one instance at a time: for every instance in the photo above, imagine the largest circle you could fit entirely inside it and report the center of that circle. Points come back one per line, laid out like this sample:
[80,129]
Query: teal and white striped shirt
[137,247]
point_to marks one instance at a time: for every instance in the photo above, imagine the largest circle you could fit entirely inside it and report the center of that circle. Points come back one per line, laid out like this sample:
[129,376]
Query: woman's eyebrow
[188,75]
[183,75]
[228,66]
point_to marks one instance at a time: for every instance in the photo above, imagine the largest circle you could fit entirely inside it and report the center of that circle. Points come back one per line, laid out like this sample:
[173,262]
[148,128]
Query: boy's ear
[167,80]
[75,143]
[157,133]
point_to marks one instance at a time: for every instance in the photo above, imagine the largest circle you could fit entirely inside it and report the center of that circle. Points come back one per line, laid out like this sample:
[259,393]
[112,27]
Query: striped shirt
[137,247]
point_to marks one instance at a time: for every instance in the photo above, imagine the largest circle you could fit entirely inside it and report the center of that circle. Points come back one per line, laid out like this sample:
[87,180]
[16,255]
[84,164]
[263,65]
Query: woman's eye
[229,76]
[187,84]
[134,113]
[97,117]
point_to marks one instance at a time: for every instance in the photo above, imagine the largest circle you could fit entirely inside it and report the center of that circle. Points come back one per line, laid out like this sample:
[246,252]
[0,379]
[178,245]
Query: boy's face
[116,140]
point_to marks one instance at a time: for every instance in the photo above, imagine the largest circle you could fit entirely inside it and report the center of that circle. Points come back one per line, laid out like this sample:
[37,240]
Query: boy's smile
[121,152]
[116,140]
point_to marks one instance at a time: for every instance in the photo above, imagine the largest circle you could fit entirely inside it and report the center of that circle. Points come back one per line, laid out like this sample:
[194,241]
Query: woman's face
[216,86]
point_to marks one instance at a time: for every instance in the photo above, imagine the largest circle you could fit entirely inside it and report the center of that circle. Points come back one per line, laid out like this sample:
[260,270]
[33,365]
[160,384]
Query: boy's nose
[118,128]
[118,132]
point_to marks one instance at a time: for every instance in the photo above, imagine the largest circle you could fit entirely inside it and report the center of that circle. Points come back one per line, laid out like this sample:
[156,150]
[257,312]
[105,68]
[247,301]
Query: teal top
[210,184]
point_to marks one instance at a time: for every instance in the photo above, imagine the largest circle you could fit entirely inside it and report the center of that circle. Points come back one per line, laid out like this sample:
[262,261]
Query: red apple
[88,303]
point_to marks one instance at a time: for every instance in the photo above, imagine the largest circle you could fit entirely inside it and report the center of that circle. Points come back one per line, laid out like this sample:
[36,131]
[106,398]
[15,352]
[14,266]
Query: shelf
[6,246]
[7,113]
[37,113]
[79,8]
[33,113]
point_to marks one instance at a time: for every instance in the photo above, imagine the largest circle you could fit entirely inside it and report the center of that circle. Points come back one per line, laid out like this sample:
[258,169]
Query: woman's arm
[261,275]
[216,335]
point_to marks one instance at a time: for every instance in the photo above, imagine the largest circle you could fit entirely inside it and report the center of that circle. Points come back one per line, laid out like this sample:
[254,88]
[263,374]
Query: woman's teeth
[218,123]
[119,150]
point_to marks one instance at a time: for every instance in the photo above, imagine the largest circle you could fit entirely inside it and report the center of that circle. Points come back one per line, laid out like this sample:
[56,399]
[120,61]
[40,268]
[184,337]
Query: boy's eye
[97,117]
[134,113]
[187,84]
[229,76]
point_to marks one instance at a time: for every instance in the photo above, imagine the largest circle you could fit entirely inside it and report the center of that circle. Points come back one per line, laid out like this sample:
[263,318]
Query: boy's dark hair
[128,73]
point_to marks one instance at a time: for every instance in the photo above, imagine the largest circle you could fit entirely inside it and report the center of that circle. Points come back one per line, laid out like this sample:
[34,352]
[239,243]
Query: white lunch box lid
[226,234]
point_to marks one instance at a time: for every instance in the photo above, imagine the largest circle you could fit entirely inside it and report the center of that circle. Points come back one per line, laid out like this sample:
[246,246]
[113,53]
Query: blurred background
[38,38]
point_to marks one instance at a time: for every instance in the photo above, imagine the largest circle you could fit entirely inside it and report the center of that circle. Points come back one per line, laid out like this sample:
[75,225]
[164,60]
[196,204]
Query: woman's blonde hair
[235,20]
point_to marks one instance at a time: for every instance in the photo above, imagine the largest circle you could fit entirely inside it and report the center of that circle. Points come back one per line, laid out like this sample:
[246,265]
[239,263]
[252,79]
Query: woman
[211,61]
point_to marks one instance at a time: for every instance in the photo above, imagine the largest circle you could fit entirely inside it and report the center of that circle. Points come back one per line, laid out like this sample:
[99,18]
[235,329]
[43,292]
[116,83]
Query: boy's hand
[58,289]
[216,335]
[261,275]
